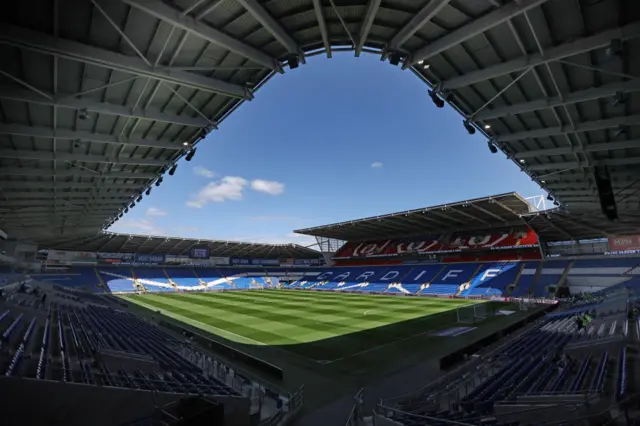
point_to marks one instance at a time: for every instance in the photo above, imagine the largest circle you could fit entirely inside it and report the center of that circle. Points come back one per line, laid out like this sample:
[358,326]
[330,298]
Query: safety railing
[356,410]
[287,413]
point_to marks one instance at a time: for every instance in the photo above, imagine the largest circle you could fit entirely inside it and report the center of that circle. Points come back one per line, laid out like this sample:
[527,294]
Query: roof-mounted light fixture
[172,170]
[492,148]
[469,127]
[148,191]
[436,99]
[190,155]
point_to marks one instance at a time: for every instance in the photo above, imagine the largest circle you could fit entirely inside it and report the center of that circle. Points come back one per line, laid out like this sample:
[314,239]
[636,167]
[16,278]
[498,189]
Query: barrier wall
[43,402]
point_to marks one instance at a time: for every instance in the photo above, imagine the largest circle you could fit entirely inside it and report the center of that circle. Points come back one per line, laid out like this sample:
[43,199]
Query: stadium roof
[503,210]
[480,214]
[124,243]
[100,99]
[558,225]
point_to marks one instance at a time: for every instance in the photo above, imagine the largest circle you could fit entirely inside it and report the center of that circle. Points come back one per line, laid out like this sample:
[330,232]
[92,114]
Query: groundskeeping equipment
[472,314]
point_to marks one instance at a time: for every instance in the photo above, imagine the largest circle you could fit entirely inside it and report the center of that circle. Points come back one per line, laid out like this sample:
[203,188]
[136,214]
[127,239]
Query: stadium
[500,310]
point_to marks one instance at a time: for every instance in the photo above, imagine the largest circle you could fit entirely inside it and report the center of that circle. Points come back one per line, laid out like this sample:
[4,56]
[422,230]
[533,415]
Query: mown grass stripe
[313,324]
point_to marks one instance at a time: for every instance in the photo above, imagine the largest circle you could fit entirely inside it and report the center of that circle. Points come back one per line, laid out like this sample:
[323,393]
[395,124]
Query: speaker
[395,58]
[605,193]
[292,61]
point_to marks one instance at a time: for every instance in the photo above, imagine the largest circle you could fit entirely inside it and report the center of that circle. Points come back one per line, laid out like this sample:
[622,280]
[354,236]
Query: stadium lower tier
[566,358]
[516,279]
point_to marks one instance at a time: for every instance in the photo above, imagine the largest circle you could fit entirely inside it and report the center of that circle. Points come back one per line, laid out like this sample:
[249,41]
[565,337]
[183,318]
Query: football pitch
[322,327]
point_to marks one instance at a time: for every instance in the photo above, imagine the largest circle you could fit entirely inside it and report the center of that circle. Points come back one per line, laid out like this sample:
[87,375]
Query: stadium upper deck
[100,99]
[480,214]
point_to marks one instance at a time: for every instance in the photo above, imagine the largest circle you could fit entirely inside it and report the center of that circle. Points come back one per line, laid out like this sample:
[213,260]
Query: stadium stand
[62,336]
[561,360]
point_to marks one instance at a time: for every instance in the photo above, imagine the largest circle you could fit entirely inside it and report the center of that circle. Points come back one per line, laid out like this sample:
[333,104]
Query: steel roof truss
[44,43]
[186,23]
[562,51]
[367,22]
[480,25]
[90,105]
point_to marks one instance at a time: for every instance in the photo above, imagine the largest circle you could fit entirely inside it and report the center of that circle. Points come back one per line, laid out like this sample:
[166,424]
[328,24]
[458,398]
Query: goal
[472,314]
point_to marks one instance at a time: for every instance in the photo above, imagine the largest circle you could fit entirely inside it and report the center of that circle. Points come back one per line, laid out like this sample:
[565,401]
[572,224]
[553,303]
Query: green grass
[324,327]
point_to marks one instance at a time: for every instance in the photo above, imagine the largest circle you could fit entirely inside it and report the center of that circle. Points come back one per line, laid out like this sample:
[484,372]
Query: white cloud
[267,186]
[227,188]
[376,165]
[154,211]
[204,172]
[137,226]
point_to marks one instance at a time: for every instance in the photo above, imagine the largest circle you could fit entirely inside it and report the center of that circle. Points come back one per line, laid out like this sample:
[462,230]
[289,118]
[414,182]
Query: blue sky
[336,139]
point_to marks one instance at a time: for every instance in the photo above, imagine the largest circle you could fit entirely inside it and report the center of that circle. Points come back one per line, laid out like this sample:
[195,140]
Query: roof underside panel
[124,243]
[98,98]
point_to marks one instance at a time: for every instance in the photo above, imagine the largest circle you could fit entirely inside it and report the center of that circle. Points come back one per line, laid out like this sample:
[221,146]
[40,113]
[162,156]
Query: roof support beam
[556,101]
[317,9]
[575,164]
[485,23]
[68,196]
[62,211]
[562,51]
[369,17]
[485,211]
[44,43]
[174,17]
[61,203]
[63,156]
[20,171]
[68,101]
[608,146]
[418,21]
[46,132]
[266,20]
[631,120]
[586,192]
[15,186]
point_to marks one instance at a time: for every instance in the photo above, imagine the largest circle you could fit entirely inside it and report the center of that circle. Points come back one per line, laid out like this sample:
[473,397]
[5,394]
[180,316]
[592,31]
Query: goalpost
[472,314]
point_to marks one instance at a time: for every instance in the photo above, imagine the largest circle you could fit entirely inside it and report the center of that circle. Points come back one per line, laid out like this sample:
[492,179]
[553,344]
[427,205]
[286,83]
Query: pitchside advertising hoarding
[199,253]
[239,261]
[149,258]
[299,262]
[624,243]
[64,257]
[115,258]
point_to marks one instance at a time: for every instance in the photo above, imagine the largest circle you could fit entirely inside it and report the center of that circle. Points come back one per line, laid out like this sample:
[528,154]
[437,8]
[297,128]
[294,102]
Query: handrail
[418,416]
[358,400]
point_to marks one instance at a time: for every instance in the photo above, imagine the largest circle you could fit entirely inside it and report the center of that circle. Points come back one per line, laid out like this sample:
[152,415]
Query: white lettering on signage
[419,275]
[366,275]
[342,276]
[452,274]
[324,276]
[419,246]
[490,273]
[623,241]
[390,276]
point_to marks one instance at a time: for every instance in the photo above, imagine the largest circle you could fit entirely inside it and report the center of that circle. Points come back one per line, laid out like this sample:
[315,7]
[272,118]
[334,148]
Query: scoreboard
[199,253]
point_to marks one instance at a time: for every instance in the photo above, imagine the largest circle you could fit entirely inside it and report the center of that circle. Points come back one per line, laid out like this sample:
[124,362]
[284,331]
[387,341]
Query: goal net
[472,314]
